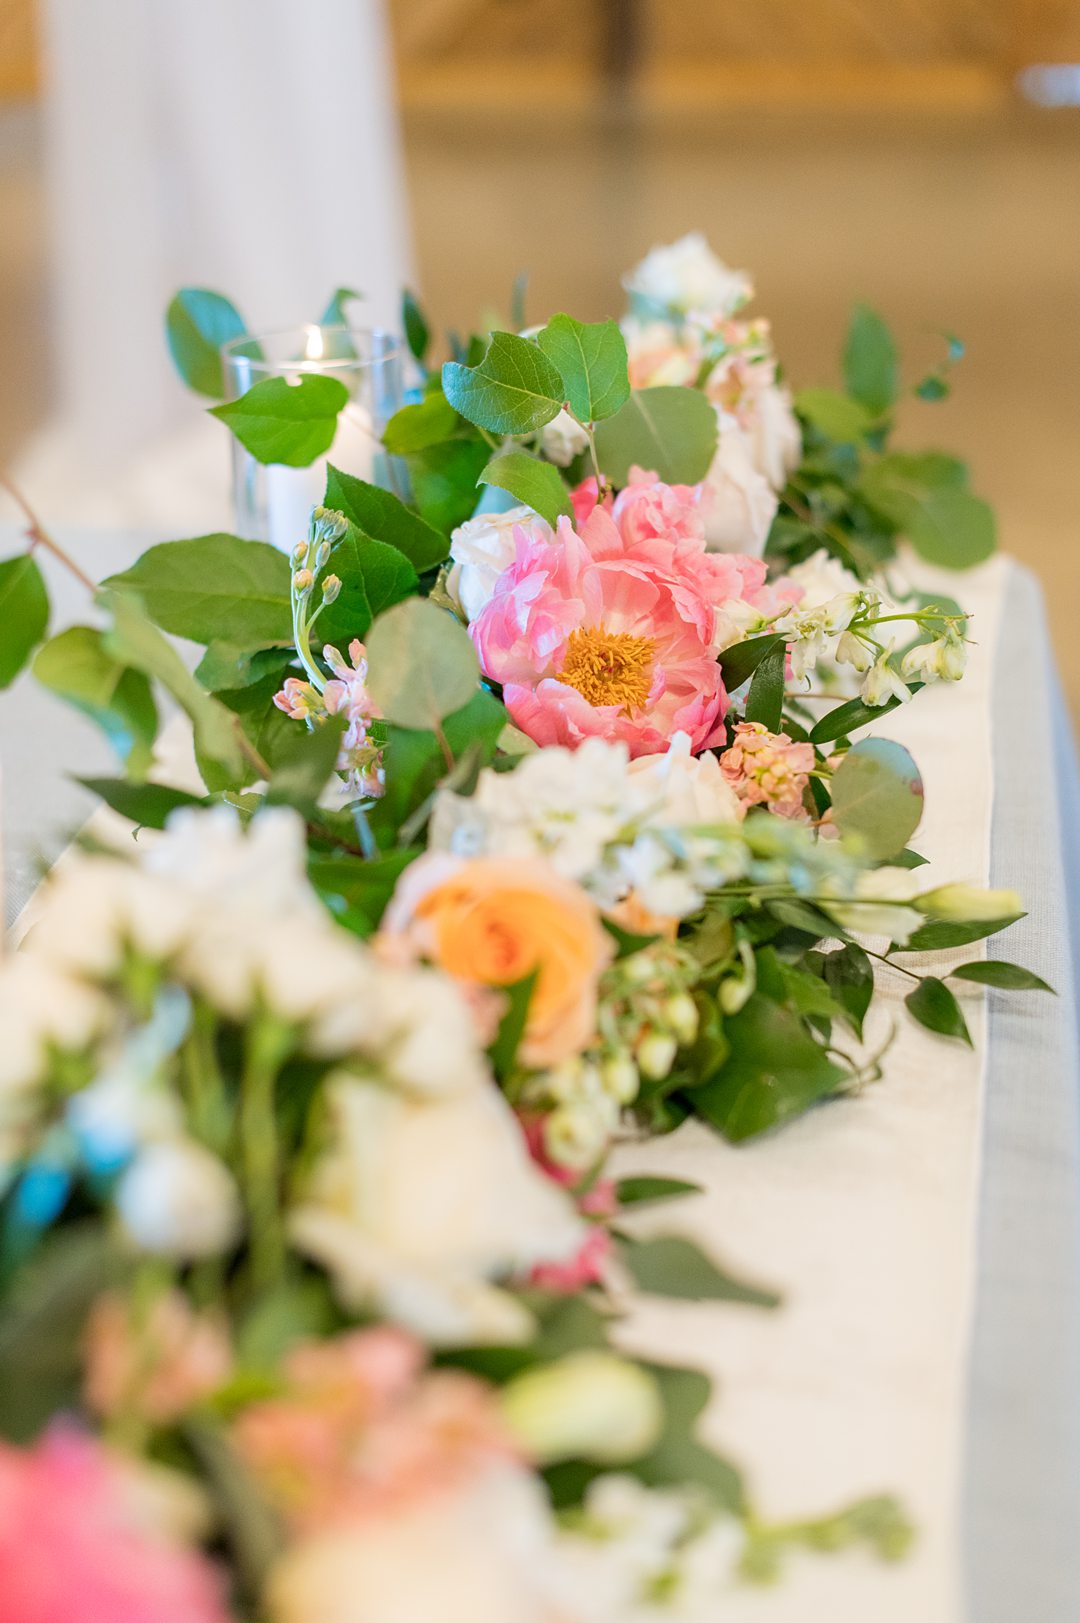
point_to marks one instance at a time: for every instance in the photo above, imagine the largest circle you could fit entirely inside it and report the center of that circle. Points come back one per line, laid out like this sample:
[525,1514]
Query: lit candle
[291,493]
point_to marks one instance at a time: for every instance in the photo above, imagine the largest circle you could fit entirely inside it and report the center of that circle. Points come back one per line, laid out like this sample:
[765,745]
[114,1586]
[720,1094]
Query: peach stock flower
[156,1369]
[768,769]
[490,922]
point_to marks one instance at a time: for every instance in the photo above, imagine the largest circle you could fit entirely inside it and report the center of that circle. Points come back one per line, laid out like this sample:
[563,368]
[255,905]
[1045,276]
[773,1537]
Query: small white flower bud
[331,588]
[323,554]
[656,1055]
[299,552]
[303,580]
[620,1077]
[681,1014]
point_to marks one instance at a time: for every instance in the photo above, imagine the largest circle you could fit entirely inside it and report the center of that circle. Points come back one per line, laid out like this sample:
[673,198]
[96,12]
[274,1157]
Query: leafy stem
[39,536]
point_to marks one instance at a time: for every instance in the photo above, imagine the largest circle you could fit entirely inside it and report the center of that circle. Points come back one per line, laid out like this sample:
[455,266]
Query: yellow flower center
[609,667]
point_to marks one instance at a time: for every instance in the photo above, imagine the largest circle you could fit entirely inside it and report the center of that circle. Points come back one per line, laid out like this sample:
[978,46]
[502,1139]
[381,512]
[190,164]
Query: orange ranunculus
[491,921]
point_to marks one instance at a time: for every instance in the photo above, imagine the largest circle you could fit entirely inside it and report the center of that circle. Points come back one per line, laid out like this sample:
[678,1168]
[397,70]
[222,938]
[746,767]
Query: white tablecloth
[925,1235]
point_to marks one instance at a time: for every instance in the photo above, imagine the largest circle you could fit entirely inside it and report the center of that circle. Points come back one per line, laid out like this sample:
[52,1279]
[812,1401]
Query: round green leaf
[537,484]
[197,323]
[514,388]
[287,421]
[592,362]
[422,665]
[214,588]
[877,795]
[870,364]
[671,431]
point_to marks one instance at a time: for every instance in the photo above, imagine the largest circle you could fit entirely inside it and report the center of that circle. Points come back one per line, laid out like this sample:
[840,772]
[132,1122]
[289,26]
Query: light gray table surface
[1022,1472]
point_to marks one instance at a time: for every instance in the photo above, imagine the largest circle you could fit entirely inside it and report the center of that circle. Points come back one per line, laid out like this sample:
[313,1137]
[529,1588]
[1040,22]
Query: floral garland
[310,1263]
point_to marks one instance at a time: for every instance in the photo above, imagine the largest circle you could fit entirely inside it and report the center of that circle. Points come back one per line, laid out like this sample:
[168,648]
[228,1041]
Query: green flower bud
[588,1405]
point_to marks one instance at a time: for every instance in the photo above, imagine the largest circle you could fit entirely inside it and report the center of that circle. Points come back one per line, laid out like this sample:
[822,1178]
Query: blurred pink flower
[156,1368]
[768,769]
[71,1548]
[586,1268]
[597,635]
[362,1430]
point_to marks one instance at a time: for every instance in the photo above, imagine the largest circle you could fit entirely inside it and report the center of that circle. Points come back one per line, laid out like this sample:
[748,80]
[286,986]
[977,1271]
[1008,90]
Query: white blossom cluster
[421,1192]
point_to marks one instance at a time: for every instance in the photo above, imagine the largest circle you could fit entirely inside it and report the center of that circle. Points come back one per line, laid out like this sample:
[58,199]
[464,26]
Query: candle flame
[314,348]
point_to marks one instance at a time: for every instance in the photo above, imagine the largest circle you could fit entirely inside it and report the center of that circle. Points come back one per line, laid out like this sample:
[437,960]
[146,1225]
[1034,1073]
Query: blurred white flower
[738,504]
[969,904]
[684,789]
[257,871]
[177,1199]
[589,1405]
[480,1553]
[878,904]
[563,439]
[481,549]
[687,276]
[415,1205]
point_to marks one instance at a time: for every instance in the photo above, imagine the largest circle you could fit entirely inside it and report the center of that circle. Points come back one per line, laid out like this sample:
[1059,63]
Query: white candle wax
[291,493]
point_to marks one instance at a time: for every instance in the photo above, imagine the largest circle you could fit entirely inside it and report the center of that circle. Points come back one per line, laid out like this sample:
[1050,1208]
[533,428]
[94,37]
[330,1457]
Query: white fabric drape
[245,145]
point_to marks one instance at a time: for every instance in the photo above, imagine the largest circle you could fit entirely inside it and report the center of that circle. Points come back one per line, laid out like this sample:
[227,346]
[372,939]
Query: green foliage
[305,765]
[414,324]
[24,614]
[673,1266]
[849,975]
[290,421]
[870,361]
[373,578]
[847,717]
[382,516]
[877,795]
[670,430]
[941,934]
[415,761]
[835,414]
[776,1070]
[429,422]
[224,667]
[765,700]
[647,1191]
[214,588]
[1003,976]
[335,314]
[503,1051]
[926,498]
[514,389]
[538,484]
[357,890]
[935,1007]
[743,658]
[444,480]
[591,360]
[679,1457]
[197,323]
[133,640]
[78,667]
[423,665]
[148,805]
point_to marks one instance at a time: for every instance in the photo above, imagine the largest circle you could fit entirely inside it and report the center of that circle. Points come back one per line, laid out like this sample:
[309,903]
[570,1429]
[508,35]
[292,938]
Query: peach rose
[491,921]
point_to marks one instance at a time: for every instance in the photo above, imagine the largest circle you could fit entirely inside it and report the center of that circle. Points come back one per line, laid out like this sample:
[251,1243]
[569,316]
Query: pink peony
[71,1546]
[768,769]
[609,633]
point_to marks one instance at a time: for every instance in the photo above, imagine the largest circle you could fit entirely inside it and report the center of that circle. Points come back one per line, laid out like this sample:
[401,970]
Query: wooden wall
[18,49]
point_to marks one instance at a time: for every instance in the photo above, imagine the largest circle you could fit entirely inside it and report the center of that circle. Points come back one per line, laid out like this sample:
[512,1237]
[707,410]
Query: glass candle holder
[273,502]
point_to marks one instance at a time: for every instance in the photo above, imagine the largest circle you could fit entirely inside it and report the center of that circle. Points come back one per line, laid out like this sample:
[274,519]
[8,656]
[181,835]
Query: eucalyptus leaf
[287,420]
[835,414]
[538,484]
[214,588]
[422,665]
[936,1008]
[877,795]
[417,332]
[78,667]
[429,422]
[514,388]
[24,614]
[383,516]
[671,431]
[592,362]
[335,314]
[197,323]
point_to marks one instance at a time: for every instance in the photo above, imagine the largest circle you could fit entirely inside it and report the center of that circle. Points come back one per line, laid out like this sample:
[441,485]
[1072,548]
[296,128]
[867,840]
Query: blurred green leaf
[197,323]
[1004,976]
[673,1266]
[870,363]
[671,431]
[24,614]
[423,665]
[290,421]
[78,667]
[877,795]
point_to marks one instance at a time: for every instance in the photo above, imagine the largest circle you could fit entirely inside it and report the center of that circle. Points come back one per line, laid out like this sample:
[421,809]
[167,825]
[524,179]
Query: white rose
[176,1199]
[563,439]
[687,275]
[738,504]
[481,549]
[415,1205]
[480,1553]
[775,434]
[685,789]
[588,1405]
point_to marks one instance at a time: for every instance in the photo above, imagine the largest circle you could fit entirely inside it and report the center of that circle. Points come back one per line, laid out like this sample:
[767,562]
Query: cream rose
[481,548]
[738,504]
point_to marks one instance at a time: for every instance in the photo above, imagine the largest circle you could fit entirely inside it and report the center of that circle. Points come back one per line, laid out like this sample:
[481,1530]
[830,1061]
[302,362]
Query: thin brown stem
[39,536]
